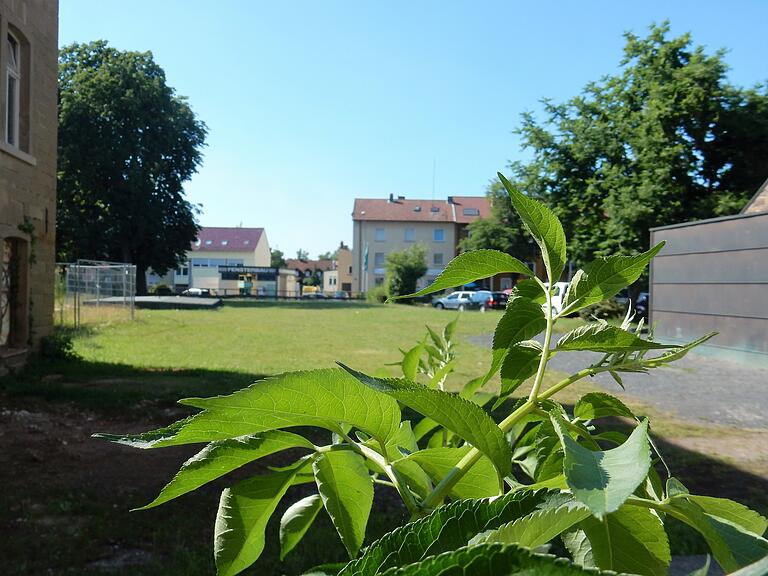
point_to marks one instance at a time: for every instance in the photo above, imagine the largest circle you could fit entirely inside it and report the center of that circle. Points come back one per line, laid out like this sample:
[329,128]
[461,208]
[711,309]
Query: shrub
[484,496]
[161,290]
[605,310]
[58,346]
[404,269]
[377,294]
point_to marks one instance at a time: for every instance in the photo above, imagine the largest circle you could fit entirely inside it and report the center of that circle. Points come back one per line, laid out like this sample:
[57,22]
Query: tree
[127,143]
[328,255]
[404,269]
[502,230]
[302,254]
[667,140]
[277,258]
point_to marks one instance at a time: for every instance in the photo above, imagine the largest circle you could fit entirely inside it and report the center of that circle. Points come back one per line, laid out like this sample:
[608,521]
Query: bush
[58,346]
[604,310]
[377,294]
[161,290]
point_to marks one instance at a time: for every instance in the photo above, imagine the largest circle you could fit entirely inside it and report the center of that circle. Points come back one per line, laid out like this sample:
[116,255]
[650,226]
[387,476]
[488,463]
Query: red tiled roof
[295,264]
[462,209]
[221,239]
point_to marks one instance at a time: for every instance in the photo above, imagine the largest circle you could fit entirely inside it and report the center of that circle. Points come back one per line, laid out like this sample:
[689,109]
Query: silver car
[456,301]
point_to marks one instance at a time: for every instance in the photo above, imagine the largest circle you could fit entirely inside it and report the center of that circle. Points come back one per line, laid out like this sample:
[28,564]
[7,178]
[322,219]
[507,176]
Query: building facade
[397,223]
[28,124]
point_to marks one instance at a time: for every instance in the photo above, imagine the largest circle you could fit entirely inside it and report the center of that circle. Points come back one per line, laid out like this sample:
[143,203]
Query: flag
[365,258]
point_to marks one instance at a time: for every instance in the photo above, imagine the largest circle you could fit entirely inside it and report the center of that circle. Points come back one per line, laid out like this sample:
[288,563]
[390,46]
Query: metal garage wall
[713,276]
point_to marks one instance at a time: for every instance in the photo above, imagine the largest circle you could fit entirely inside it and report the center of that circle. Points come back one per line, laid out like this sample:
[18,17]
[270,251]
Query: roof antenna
[434,170]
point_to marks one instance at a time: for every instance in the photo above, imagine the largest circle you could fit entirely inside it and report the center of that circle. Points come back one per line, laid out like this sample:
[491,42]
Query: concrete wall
[28,172]
[713,276]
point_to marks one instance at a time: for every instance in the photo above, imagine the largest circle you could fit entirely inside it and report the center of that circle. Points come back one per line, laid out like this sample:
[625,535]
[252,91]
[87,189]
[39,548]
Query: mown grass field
[64,507]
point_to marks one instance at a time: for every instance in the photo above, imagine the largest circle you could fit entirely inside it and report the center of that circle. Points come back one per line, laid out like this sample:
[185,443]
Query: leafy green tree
[502,230]
[404,269]
[328,255]
[127,144]
[302,254]
[277,258]
[666,140]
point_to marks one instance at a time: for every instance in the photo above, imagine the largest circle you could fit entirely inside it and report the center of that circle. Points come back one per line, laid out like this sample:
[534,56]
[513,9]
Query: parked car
[196,292]
[340,295]
[486,299]
[558,296]
[641,306]
[313,296]
[460,300]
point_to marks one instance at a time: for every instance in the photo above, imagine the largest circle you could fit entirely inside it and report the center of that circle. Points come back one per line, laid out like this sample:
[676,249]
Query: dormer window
[246,242]
[434,209]
[208,242]
[13,85]
[224,242]
[471,212]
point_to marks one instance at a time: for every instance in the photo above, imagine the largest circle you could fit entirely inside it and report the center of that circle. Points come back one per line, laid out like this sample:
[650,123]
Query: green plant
[161,290]
[404,269]
[377,294]
[58,346]
[538,476]
[605,310]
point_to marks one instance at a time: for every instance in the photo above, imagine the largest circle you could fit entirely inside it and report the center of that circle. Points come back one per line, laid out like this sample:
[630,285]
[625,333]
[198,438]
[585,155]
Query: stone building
[28,121]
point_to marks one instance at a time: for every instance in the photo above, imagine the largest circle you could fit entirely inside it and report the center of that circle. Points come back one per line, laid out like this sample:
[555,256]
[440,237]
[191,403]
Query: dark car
[641,306]
[498,300]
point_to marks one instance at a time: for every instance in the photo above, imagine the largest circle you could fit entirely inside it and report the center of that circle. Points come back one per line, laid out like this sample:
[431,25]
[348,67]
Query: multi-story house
[396,223]
[339,277]
[28,123]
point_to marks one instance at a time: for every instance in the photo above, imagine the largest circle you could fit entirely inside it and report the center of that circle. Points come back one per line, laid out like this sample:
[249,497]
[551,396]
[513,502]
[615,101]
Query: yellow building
[28,123]
[394,224]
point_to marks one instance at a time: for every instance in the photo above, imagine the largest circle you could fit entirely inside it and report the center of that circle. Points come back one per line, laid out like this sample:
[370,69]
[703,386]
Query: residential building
[339,277]
[28,124]
[381,226]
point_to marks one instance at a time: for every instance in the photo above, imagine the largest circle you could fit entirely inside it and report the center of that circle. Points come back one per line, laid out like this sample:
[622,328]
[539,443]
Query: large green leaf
[410,363]
[538,527]
[732,545]
[603,480]
[522,320]
[471,266]
[480,481]
[630,540]
[604,277]
[456,414]
[313,398]
[521,362]
[544,226]
[347,492]
[243,514]
[603,337]
[447,528]
[595,405]
[531,289]
[731,511]
[296,521]
[223,456]
[759,568]
[491,560]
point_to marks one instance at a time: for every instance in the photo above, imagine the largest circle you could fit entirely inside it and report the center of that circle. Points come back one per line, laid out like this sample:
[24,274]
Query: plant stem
[383,462]
[544,349]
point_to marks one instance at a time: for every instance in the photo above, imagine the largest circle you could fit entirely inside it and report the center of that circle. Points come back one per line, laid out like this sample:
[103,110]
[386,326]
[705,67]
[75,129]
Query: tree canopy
[277,258]
[404,269]
[665,140]
[127,143]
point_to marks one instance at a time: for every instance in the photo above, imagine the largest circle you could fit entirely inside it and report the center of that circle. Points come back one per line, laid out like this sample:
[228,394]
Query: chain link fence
[94,292]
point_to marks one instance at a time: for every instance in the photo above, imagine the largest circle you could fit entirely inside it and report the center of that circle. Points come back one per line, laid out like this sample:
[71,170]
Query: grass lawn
[65,499]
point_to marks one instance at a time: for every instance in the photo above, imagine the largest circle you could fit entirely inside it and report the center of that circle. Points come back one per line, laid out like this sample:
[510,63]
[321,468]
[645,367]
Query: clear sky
[311,104]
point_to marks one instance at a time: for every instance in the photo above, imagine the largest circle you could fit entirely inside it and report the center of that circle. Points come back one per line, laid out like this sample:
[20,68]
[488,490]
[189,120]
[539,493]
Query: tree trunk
[141,280]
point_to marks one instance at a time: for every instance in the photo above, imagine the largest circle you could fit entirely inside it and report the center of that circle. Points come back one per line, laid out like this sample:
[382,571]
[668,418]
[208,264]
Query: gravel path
[697,388]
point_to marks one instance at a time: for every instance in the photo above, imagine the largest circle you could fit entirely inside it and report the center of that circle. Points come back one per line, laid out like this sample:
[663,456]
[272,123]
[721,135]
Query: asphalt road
[696,388]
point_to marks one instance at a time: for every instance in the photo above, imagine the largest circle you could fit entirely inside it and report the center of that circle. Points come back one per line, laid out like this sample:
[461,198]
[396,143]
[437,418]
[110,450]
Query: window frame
[13,97]
[442,235]
[409,235]
[380,235]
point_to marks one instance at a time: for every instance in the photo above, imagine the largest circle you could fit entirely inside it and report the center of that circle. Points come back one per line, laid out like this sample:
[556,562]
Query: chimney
[401,197]
[450,200]
[391,198]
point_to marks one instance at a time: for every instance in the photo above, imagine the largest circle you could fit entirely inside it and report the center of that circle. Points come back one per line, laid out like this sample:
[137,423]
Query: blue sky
[311,104]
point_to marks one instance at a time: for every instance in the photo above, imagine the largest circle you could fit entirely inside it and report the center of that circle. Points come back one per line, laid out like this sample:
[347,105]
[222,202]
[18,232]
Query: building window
[410,234]
[379,235]
[13,90]
[438,235]
[471,212]
[224,242]
[437,259]
[378,259]
[378,281]
[183,271]
[208,242]
[350,269]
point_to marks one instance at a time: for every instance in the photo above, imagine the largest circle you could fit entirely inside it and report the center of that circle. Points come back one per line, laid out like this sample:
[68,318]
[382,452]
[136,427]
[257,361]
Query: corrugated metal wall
[713,276]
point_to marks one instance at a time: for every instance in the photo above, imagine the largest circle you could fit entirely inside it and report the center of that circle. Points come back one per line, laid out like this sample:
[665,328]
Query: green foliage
[127,144]
[404,269]
[161,290]
[659,142]
[483,494]
[58,346]
[377,294]
[605,310]
[276,258]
